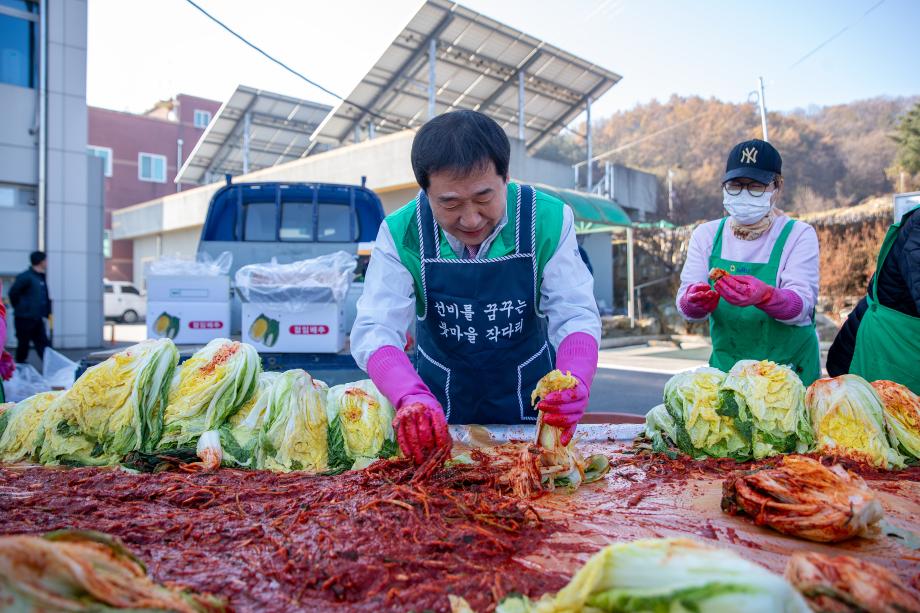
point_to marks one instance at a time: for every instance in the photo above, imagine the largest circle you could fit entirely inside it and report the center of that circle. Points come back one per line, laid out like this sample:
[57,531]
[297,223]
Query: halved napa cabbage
[673,575]
[239,435]
[20,427]
[848,419]
[360,425]
[766,401]
[114,408]
[902,414]
[293,435]
[558,465]
[209,388]
[693,401]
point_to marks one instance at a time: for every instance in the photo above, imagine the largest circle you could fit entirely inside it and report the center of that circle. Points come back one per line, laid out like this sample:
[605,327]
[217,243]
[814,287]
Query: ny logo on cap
[749,155]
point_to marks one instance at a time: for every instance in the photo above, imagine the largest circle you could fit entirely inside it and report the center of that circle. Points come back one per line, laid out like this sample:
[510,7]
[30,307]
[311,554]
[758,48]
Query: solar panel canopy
[477,63]
[279,130]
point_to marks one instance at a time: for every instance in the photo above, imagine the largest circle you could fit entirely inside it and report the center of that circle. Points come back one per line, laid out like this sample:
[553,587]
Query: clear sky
[141,51]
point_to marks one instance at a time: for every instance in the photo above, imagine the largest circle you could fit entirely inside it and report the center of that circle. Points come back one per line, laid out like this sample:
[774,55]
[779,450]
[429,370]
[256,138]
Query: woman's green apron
[747,333]
[888,341]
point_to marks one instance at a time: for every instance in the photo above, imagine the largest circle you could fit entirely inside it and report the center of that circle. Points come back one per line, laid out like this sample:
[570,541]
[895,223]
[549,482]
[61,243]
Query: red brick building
[142,155]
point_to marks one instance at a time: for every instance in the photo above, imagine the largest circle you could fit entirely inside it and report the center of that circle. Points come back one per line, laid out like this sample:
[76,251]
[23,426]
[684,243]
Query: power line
[289,69]
[669,128]
[841,31]
[610,152]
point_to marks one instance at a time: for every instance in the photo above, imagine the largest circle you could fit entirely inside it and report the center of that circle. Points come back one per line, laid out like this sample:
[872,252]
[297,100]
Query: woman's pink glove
[577,354]
[743,290]
[7,366]
[420,426]
[699,301]
[783,304]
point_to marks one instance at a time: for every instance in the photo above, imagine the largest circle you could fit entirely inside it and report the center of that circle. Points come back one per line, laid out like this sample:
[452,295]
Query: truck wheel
[129,317]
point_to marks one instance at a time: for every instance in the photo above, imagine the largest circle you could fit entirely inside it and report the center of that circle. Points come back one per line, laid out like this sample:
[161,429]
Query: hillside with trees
[833,156]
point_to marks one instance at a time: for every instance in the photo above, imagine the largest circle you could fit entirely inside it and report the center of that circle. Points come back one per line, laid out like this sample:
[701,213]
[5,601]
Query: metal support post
[521,105]
[588,138]
[763,110]
[247,122]
[630,279]
[371,131]
[179,143]
[432,82]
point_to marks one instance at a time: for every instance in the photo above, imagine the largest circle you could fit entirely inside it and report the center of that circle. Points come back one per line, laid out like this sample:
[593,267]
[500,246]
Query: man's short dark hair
[37,257]
[459,141]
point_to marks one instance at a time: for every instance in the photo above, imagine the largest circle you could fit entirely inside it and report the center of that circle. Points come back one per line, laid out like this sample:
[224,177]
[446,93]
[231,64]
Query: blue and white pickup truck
[256,222]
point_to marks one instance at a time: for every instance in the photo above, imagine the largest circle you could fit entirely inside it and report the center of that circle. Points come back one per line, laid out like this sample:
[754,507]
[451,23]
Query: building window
[18,42]
[106,243]
[151,167]
[14,196]
[202,118]
[102,152]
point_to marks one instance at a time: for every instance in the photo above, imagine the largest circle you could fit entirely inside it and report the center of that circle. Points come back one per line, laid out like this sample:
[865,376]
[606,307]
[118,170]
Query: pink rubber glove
[421,430]
[563,409]
[7,366]
[699,301]
[783,304]
[420,426]
[743,290]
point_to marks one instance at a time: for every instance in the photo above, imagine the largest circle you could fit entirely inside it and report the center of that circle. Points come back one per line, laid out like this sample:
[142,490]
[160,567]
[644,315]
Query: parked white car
[123,302]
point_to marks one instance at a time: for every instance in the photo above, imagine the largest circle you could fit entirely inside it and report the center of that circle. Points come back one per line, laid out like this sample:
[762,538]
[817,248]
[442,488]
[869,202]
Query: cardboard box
[315,328]
[191,288]
[188,323]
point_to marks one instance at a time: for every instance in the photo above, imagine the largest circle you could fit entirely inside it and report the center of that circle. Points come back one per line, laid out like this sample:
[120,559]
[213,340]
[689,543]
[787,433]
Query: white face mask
[746,209]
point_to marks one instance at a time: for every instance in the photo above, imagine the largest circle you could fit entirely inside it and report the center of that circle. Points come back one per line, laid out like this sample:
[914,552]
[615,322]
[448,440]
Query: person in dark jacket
[31,306]
[886,350]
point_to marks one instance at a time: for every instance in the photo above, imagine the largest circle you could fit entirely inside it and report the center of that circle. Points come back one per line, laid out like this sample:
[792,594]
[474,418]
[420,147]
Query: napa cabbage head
[694,402]
[209,388]
[238,436]
[20,427]
[667,575]
[902,415]
[114,408]
[848,419]
[766,401]
[360,425]
[294,433]
[660,428]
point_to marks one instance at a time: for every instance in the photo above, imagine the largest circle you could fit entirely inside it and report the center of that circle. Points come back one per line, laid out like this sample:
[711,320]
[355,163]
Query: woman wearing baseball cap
[763,308]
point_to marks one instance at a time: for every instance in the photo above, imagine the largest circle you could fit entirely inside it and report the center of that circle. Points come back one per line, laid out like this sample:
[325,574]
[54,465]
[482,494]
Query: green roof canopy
[589,208]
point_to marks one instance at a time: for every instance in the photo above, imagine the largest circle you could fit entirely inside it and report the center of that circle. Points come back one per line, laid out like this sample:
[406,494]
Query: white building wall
[145,250]
[74,223]
[74,188]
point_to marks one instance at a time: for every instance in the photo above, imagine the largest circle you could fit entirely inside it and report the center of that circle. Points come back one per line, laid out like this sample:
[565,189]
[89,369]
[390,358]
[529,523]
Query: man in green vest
[881,337]
[490,273]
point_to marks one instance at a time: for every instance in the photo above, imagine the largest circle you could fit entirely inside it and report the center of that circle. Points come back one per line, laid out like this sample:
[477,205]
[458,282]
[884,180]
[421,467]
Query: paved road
[625,391]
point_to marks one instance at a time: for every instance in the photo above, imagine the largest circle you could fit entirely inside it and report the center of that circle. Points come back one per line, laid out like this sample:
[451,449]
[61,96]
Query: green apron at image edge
[888,341]
[747,333]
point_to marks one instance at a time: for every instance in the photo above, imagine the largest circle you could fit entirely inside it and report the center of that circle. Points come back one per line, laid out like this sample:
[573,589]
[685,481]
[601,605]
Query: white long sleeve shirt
[798,267]
[386,309]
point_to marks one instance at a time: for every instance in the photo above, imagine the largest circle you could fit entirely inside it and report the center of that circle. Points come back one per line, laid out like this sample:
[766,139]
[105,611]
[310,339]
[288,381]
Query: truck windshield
[335,223]
[296,221]
[260,222]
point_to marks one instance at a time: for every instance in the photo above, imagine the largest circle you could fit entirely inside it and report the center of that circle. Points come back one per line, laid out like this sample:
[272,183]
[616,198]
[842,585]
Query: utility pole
[589,143]
[670,194]
[763,109]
